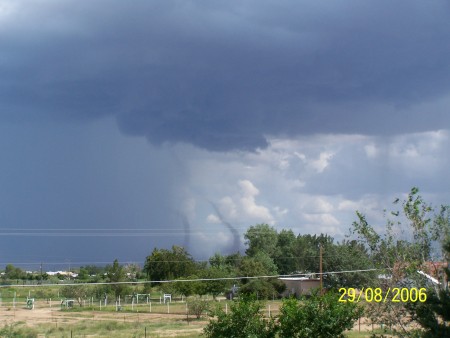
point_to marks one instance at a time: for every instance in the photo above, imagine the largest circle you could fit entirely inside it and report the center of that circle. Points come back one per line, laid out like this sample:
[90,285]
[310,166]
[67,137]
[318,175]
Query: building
[297,286]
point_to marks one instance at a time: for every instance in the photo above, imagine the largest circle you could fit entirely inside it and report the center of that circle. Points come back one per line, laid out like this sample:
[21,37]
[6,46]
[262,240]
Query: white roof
[299,278]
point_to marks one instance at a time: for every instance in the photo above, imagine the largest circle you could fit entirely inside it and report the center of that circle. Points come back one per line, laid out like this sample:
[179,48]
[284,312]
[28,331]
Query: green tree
[165,264]
[186,288]
[284,258]
[261,264]
[434,314]
[12,272]
[197,307]
[410,235]
[77,292]
[348,256]
[216,286]
[317,317]
[261,238]
[115,274]
[245,319]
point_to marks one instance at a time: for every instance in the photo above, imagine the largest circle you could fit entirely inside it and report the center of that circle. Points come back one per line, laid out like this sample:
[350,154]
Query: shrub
[244,320]
[197,307]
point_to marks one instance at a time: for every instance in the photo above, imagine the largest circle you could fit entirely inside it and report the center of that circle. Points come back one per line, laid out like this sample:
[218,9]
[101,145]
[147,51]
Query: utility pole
[321,278]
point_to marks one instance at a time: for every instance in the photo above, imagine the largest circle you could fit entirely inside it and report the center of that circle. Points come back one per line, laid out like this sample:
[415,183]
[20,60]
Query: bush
[317,316]
[13,331]
[197,307]
[244,320]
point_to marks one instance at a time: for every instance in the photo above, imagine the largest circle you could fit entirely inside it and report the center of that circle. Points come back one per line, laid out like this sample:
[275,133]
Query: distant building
[62,273]
[297,286]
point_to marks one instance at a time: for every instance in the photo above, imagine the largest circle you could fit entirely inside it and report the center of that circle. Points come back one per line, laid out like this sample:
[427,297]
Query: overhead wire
[192,280]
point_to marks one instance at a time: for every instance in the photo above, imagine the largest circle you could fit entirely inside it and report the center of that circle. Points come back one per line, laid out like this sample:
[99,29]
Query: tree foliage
[412,234]
[317,317]
[434,315]
[197,307]
[77,292]
[115,274]
[165,264]
[261,238]
[244,320]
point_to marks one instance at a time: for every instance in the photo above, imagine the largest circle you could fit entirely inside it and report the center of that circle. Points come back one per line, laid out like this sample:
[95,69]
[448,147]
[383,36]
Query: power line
[195,280]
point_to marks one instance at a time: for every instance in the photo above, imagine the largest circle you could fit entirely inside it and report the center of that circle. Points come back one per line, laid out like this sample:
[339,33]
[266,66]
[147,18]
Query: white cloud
[315,184]
[228,208]
[371,150]
[321,219]
[315,204]
[248,203]
[212,219]
[322,162]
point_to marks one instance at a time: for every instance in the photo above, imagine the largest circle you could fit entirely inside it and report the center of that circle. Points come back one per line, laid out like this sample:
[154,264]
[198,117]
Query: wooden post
[321,278]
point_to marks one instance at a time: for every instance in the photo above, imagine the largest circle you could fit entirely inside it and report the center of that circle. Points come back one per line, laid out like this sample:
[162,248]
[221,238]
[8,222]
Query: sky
[126,127]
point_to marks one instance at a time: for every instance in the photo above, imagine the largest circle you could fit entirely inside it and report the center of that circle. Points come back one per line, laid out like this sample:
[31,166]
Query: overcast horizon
[129,127]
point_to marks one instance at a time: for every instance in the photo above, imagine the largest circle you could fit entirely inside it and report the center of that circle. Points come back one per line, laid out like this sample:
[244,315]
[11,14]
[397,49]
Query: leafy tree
[261,264]
[434,315]
[77,292]
[261,238]
[185,288]
[407,243]
[263,288]
[12,272]
[317,317]
[307,251]
[347,256]
[165,264]
[116,274]
[244,320]
[218,261]
[83,274]
[215,287]
[233,260]
[284,258]
[198,307]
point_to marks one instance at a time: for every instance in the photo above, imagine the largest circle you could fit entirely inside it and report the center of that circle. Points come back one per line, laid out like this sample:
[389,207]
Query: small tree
[434,314]
[115,274]
[412,233]
[197,307]
[77,292]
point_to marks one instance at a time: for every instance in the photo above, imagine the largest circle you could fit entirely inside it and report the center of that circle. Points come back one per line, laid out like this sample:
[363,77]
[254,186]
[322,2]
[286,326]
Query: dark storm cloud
[222,75]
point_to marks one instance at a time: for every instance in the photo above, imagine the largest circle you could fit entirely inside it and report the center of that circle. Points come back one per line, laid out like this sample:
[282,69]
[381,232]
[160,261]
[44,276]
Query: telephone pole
[321,278]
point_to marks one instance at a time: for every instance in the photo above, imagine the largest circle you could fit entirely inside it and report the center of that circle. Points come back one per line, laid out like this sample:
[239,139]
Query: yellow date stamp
[378,295]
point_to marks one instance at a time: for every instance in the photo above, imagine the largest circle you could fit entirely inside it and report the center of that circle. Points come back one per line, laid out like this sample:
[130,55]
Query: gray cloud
[220,75]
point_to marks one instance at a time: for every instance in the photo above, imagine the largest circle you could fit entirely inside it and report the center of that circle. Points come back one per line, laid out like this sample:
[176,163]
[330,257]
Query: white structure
[167,296]
[298,286]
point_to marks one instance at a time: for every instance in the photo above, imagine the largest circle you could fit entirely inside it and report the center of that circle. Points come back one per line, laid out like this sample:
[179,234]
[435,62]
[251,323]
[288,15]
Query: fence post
[168,307]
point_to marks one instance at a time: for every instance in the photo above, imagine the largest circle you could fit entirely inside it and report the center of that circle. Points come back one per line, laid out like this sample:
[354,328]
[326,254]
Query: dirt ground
[44,314]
